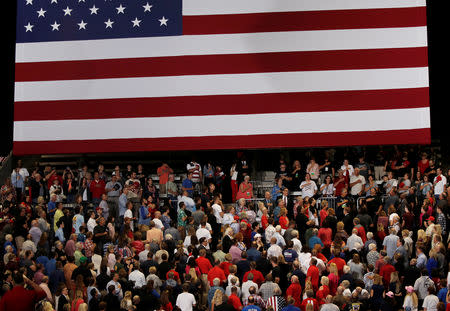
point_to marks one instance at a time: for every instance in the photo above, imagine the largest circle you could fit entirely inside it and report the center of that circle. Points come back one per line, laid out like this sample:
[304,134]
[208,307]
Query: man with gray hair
[246,286]
[372,255]
[329,305]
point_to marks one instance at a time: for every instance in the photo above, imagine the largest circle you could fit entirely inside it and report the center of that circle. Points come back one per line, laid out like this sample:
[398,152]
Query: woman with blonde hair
[217,299]
[308,286]
[77,300]
[47,306]
[333,278]
[127,301]
[411,301]
[283,220]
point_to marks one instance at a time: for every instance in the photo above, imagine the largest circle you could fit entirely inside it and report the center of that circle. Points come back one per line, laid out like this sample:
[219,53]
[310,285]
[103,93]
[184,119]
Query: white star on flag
[29,2]
[54,1]
[121,9]
[109,23]
[67,11]
[147,7]
[28,27]
[55,26]
[41,12]
[94,10]
[136,22]
[163,21]
[82,25]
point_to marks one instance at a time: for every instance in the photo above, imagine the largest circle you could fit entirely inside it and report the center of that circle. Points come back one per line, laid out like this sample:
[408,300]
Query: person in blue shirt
[78,219]
[144,214]
[188,185]
[51,208]
[59,234]
[442,294]
[314,240]
[251,305]
[290,255]
[290,306]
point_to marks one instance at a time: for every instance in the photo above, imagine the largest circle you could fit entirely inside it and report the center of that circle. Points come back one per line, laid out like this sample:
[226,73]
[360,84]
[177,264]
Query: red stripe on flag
[304,20]
[223,64]
[413,136]
[222,104]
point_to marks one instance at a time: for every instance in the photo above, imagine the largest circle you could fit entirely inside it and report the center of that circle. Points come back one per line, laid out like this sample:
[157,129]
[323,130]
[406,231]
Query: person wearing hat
[411,301]
[429,224]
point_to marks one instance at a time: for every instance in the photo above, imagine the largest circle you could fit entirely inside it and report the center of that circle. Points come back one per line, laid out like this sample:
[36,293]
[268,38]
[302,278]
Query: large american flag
[144,75]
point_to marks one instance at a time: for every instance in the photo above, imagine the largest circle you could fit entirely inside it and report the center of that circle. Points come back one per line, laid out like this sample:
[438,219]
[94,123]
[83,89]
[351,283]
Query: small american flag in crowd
[146,75]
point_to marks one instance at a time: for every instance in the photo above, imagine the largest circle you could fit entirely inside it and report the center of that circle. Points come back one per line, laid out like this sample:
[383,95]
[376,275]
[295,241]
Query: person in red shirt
[309,300]
[325,234]
[203,263]
[360,228]
[313,274]
[283,221]
[97,188]
[295,291]
[386,270]
[225,266]
[216,272]
[234,300]
[19,298]
[323,291]
[258,277]
[340,263]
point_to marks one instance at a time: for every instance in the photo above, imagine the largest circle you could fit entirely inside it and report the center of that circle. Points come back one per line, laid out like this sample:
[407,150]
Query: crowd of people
[329,235]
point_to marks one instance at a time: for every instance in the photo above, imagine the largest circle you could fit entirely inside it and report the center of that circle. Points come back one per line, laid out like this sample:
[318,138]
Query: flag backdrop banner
[147,75]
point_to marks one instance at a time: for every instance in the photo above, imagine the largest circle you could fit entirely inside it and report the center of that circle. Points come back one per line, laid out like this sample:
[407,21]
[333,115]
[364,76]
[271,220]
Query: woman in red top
[166,305]
[264,218]
[333,278]
[283,220]
[245,189]
[423,164]
[323,291]
[323,212]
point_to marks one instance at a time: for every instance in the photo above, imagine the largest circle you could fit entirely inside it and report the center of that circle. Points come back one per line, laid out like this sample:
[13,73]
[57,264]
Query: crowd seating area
[346,229]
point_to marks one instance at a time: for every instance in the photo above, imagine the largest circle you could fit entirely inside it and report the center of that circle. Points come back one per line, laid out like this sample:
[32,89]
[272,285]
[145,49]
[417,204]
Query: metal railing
[330,199]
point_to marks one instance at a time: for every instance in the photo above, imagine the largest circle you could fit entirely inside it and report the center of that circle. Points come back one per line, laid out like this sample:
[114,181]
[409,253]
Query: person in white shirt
[203,232]
[431,300]
[129,214]
[186,301]
[297,244]
[270,230]
[353,239]
[137,276]
[157,220]
[308,187]
[118,288]
[218,209]
[91,223]
[274,250]
[188,201]
[357,183]
[439,183]
[347,168]
[246,286]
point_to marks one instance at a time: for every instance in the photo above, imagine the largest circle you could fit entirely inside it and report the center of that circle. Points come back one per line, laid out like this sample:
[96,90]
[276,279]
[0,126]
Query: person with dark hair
[19,298]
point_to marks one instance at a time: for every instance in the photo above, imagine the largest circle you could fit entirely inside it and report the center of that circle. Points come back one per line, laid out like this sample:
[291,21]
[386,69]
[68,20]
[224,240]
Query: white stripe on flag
[213,7]
[255,83]
[318,40]
[254,124]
